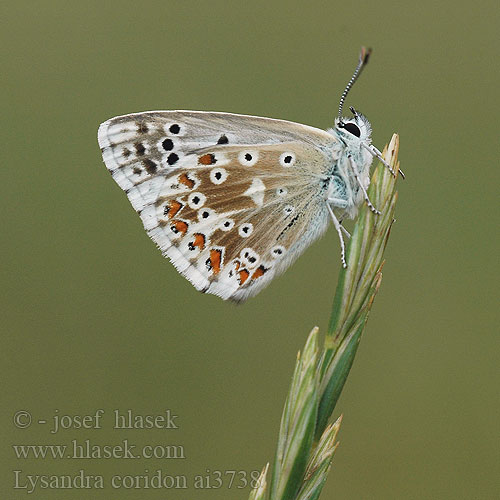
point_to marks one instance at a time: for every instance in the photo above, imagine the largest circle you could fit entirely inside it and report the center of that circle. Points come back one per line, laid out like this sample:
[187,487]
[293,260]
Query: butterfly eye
[353,129]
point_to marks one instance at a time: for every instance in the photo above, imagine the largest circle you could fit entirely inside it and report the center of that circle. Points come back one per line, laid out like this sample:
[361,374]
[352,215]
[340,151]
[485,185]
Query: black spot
[278,251]
[246,255]
[172,159]
[208,263]
[142,128]
[150,166]
[174,129]
[196,200]
[248,157]
[204,214]
[137,170]
[139,147]
[218,175]
[223,139]
[288,159]
[174,229]
[191,245]
[168,145]
[245,229]
[227,224]
[289,225]
[251,260]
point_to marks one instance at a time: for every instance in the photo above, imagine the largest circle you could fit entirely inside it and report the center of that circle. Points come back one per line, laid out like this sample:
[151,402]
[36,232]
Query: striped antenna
[363,61]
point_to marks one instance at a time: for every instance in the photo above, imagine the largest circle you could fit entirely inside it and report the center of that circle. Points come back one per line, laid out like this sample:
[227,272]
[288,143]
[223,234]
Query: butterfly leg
[339,228]
[365,194]
[344,230]
[377,154]
[339,203]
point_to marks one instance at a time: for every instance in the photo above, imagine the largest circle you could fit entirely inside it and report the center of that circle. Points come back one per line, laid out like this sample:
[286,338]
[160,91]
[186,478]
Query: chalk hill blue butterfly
[232,200]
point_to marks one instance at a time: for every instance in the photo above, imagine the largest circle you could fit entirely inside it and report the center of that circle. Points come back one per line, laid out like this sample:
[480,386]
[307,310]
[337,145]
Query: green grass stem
[307,439]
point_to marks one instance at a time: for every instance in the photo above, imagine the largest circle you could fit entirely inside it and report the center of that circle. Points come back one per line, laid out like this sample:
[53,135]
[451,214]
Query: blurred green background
[93,317]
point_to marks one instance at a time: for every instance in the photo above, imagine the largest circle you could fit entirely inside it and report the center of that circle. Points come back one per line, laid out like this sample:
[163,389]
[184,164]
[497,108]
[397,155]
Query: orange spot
[208,159]
[243,274]
[184,179]
[215,260]
[259,272]
[199,241]
[180,226]
[172,208]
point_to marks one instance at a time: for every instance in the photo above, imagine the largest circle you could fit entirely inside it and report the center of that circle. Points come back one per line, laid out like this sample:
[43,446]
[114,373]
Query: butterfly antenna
[363,61]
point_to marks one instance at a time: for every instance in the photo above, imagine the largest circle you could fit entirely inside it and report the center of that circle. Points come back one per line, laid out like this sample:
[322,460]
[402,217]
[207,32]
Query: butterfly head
[354,129]
[355,132]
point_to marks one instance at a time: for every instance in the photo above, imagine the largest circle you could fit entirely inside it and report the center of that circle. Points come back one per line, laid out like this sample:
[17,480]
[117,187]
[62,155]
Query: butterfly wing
[232,200]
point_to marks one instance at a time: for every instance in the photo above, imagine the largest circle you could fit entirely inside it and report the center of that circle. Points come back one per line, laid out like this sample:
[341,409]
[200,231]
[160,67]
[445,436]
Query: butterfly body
[231,199]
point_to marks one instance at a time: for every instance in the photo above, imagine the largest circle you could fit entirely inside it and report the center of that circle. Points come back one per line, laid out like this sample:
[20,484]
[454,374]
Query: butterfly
[232,200]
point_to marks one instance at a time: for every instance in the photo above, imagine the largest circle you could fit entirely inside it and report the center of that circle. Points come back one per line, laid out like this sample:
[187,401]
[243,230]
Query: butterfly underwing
[232,200]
